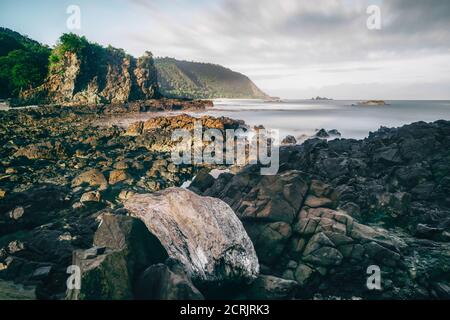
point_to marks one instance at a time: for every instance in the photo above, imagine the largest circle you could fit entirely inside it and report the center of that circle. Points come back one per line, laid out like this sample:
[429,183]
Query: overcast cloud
[302,48]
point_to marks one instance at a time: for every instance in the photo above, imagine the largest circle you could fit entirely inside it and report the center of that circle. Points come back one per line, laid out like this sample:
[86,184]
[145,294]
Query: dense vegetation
[203,80]
[23,63]
[93,57]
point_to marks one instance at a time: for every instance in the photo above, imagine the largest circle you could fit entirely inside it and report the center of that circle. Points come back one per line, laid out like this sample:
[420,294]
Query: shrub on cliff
[91,55]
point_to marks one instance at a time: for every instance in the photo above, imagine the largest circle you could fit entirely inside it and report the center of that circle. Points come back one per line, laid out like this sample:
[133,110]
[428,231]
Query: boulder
[274,198]
[160,282]
[91,196]
[16,213]
[442,290]
[334,235]
[35,206]
[271,288]
[92,177]
[289,140]
[128,234]
[203,233]
[427,232]
[11,291]
[123,248]
[269,239]
[320,251]
[202,181]
[320,189]
[117,176]
[387,155]
[303,274]
[322,133]
[36,151]
[334,132]
[316,202]
[104,275]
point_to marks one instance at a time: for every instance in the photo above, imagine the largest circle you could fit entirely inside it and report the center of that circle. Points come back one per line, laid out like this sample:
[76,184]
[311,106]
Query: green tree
[23,63]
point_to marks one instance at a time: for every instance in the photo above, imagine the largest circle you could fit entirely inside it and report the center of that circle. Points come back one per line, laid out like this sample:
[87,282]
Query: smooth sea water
[304,117]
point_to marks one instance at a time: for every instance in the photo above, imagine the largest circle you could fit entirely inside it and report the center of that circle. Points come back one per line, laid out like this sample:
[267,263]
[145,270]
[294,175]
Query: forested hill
[179,78]
[23,63]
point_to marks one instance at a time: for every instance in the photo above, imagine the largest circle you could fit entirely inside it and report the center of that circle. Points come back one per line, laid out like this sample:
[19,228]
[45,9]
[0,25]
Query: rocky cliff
[77,72]
[81,72]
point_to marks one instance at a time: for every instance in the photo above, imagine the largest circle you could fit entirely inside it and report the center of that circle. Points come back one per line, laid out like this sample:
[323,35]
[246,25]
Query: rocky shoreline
[75,193]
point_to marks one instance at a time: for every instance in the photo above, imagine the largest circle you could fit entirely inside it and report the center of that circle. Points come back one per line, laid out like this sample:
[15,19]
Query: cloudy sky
[289,48]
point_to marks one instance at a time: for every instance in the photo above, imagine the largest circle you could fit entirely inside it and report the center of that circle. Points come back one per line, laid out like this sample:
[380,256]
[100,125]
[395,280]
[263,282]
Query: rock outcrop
[202,233]
[156,133]
[334,209]
[163,282]
[123,248]
[337,207]
[270,288]
[90,74]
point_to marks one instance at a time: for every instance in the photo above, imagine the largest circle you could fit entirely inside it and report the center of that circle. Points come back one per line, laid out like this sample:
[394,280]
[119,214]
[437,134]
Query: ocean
[302,118]
[305,117]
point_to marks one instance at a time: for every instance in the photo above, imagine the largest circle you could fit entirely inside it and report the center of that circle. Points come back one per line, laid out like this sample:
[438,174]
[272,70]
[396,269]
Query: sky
[289,48]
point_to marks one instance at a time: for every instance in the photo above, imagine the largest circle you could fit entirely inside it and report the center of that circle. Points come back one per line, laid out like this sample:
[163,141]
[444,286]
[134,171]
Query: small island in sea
[320,98]
[372,103]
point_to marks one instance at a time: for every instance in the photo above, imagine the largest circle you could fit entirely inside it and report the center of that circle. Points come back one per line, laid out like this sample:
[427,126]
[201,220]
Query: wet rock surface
[337,207]
[60,172]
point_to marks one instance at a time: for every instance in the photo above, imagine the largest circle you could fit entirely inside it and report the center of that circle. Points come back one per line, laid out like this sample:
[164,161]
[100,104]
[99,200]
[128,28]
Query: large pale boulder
[203,233]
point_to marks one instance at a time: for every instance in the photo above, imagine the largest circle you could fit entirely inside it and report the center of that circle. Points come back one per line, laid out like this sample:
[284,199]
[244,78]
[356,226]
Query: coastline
[59,168]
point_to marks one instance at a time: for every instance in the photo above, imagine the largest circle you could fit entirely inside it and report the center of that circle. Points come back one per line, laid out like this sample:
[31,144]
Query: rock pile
[337,207]
[71,191]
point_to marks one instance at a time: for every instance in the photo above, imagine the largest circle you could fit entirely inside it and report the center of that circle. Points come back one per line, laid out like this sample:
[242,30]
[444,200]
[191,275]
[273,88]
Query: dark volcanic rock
[360,203]
[160,282]
[289,140]
[36,206]
[54,165]
[202,181]
[335,208]
[123,248]
[270,288]
[322,133]
[263,198]
[104,275]
[130,234]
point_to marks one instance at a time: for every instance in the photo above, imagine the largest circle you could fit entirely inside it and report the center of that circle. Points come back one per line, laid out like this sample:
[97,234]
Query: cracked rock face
[122,79]
[203,233]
